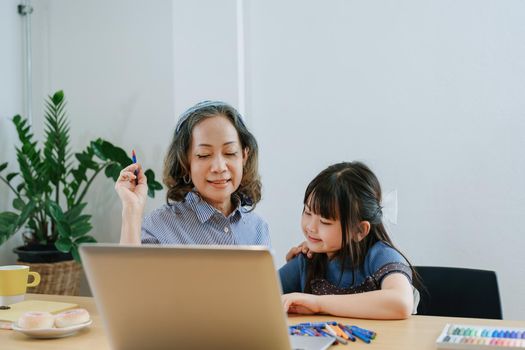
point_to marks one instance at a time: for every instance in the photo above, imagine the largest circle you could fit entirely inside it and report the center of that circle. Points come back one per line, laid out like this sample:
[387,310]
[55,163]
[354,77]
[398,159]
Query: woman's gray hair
[177,166]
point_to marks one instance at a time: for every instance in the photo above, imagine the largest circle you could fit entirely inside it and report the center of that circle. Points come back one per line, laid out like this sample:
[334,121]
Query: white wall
[114,62]
[429,94]
[205,53]
[11,97]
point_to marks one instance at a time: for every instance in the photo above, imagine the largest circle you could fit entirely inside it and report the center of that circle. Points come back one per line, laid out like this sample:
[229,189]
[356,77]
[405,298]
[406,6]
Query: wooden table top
[417,332]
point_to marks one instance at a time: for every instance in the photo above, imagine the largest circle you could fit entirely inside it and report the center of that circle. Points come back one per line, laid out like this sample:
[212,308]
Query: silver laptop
[190,297]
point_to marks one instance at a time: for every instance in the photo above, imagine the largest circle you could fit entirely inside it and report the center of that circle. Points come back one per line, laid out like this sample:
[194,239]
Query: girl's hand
[301,303]
[301,248]
[132,193]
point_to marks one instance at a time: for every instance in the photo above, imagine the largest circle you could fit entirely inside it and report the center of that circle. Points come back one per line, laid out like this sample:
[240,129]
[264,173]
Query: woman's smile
[222,183]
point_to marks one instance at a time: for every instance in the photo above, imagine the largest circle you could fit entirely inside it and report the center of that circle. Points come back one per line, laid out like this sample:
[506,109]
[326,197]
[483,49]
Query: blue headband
[202,105]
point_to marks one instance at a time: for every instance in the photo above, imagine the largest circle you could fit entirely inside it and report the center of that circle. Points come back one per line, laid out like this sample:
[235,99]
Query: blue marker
[322,332]
[313,324]
[369,333]
[134,159]
[361,336]
[308,331]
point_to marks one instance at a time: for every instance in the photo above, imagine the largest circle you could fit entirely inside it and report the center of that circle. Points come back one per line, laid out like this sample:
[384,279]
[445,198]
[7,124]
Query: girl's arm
[393,301]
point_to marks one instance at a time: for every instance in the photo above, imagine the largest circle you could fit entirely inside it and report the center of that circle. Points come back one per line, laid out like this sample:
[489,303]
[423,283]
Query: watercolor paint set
[480,337]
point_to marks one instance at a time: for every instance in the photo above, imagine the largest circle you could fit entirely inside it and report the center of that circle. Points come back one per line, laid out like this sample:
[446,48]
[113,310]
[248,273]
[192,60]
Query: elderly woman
[211,172]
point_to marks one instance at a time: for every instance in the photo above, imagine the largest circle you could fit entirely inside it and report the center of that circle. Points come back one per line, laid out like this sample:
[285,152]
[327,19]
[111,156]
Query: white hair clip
[389,207]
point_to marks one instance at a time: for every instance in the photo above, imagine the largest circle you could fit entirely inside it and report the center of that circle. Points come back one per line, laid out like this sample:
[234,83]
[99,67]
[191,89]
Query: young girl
[355,270]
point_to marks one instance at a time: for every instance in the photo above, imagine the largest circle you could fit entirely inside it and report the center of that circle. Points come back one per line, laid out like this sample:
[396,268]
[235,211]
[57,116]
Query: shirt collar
[205,211]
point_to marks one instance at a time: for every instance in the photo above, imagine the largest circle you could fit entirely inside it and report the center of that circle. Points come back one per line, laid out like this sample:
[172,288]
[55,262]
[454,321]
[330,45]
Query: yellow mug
[14,282]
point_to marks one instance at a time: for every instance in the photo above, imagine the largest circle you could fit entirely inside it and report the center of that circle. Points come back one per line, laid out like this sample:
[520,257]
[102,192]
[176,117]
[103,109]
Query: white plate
[52,332]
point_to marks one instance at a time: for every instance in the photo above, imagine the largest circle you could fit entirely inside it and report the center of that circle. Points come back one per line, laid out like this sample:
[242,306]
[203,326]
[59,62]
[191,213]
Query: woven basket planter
[62,278]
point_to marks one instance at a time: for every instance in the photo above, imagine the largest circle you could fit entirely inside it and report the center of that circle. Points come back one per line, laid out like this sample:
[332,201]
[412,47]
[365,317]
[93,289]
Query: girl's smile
[312,239]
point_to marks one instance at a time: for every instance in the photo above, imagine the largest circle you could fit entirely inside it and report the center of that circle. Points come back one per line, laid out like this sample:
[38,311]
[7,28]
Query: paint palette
[456,336]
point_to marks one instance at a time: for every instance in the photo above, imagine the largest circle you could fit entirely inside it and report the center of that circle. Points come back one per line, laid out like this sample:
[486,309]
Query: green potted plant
[51,185]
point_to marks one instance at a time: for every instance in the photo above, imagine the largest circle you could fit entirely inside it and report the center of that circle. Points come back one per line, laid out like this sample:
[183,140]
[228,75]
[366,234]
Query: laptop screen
[187,297]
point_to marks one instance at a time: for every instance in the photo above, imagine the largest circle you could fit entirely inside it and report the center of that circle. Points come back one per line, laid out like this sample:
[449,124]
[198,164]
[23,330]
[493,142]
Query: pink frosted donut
[71,318]
[36,320]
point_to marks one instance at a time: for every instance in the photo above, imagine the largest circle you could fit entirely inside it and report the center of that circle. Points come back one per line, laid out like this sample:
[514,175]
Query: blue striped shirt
[194,221]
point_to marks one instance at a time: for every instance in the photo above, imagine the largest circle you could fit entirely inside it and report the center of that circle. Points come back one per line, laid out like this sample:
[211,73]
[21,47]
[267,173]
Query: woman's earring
[187,179]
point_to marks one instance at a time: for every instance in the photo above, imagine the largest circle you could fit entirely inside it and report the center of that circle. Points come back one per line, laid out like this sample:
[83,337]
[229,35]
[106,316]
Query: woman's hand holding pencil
[132,187]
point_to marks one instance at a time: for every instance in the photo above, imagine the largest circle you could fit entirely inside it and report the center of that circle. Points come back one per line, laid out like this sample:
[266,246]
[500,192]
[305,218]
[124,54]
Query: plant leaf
[55,211]
[152,184]
[3,166]
[58,97]
[81,218]
[7,219]
[79,230]
[18,204]
[76,255]
[79,175]
[32,224]
[86,160]
[8,225]
[20,186]
[113,171]
[26,212]
[10,176]
[64,244]
[97,149]
[56,150]
[115,154]
[74,212]
[28,156]
[85,239]
[64,229]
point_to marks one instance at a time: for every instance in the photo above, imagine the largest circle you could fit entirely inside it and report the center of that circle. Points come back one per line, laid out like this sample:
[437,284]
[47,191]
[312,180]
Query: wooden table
[417,332]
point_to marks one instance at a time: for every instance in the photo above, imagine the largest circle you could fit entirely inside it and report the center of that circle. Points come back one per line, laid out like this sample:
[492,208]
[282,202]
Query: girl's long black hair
[349,192]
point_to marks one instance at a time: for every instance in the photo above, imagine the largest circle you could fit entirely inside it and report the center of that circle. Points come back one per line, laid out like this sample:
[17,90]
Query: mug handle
[36,279]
